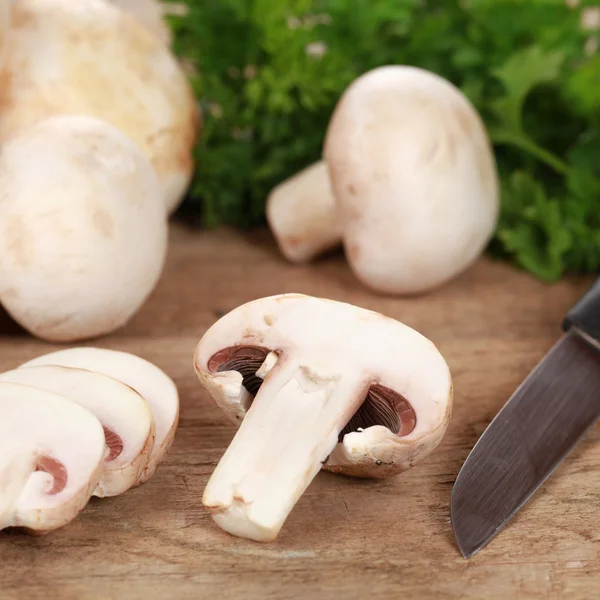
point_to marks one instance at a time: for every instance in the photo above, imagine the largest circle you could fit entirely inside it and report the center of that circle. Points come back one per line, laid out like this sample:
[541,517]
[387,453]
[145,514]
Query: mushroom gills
[382,406]
[246,360]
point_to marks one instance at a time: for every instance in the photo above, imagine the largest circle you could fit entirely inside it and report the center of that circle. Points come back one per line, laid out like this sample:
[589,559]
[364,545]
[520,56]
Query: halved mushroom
[88,57]
[51,457]
[153,384]
[342,387]
[125,417]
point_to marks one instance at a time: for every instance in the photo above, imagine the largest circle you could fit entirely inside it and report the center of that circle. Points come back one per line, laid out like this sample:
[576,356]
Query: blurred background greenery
[268,73]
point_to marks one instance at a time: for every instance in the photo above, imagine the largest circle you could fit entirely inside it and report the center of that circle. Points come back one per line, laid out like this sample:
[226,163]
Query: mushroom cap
[405,381]
[51,459]
[153,384]
[125,416]
[83,234]
[149,13]
[414,177]
[89,57]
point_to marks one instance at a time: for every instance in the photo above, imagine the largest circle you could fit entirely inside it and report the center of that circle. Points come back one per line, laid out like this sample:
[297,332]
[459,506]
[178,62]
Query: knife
[536,429]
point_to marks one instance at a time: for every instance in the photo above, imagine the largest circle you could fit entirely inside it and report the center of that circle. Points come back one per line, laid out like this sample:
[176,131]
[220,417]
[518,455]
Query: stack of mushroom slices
[78,423]
[315,383]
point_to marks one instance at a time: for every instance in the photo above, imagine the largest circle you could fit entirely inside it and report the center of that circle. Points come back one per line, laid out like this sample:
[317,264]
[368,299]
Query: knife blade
[536,429]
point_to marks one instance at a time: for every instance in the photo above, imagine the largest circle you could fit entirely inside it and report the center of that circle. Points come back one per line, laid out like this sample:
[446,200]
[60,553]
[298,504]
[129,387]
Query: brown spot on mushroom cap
[114,444]
[56,469]
[103,223]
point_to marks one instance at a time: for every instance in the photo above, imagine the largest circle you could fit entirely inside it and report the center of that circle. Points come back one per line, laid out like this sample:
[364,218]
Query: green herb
[268,74]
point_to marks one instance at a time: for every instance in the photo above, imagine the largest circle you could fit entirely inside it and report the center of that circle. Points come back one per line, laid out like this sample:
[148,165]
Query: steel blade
[534,431]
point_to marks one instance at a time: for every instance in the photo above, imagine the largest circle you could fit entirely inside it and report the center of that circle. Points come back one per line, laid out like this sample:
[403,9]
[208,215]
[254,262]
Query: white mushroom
[155,386]
[83,234]
[414,181]
[302,215]
[125,417]
[149,13]
[52,452]
[88,57]
[343,387]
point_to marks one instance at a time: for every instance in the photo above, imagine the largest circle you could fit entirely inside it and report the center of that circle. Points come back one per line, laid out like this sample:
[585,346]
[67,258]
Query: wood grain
[346,537]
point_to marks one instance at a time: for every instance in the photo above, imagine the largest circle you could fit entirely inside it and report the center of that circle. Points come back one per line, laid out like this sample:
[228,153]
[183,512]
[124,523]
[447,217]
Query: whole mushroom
[414,179]
[83,232]
[88,57]
[51,459]
[315,383]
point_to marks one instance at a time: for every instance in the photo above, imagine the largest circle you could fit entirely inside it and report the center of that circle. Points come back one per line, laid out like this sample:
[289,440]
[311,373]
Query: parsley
[269,72]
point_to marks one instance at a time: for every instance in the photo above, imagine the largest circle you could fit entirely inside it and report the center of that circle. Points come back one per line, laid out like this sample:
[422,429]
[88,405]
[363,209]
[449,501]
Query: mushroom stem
[287,434]
[14,473]
[302,215]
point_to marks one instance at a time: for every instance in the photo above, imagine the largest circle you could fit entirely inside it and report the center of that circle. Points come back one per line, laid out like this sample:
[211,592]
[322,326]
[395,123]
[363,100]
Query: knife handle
[585,315]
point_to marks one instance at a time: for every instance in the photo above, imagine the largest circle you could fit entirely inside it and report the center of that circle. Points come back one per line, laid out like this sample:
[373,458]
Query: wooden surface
[346,538]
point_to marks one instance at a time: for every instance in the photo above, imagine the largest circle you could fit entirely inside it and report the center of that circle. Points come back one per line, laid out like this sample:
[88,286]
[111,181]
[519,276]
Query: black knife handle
[585,315]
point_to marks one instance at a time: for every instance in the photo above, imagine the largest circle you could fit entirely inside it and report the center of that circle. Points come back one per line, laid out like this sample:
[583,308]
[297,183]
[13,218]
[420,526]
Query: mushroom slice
[146,379]
[51,458]
[125,416]
[331,371]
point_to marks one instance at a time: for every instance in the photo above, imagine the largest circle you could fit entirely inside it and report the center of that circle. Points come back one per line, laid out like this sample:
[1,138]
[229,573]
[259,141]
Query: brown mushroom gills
[56,469]
[114,444]
[382,406]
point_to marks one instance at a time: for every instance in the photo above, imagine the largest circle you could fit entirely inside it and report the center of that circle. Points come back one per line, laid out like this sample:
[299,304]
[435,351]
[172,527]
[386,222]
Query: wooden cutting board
[345,538]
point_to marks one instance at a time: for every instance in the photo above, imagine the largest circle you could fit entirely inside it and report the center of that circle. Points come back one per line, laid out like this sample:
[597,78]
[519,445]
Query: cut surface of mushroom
[300,376]
[52,453]
[83,234]
[89,57]
[153,384]
[302,215]
[414,178]
[125,417]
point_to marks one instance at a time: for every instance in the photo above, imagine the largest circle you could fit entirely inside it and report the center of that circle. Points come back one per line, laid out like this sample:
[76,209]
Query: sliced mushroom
[52,452]
[125,417]
[89,57]
[146,379]
[337,379]
[83,234]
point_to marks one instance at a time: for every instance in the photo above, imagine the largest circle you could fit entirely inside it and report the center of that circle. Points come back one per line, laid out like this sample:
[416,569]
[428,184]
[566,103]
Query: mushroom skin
[89,57]
[149,13]
[50,467]
[125,417]
[150,382]
[318,383]
[83,234]
[414,177]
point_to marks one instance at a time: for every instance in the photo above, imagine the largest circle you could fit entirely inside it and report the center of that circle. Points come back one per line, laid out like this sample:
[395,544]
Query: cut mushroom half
[125,417]
[52,452]
[153,384]
[315,383]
